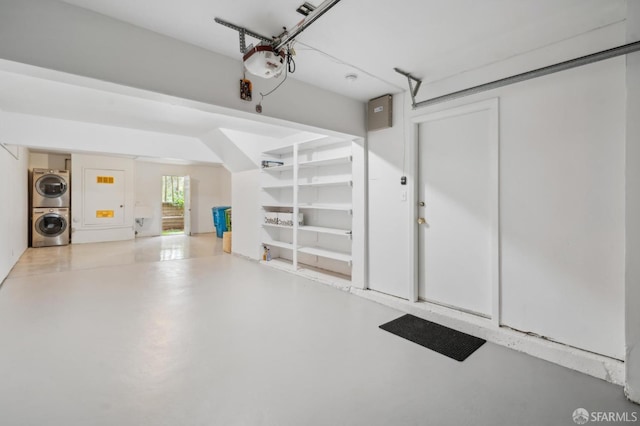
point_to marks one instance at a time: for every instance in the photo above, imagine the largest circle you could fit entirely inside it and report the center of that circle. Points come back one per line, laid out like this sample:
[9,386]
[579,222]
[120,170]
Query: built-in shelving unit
[314,185]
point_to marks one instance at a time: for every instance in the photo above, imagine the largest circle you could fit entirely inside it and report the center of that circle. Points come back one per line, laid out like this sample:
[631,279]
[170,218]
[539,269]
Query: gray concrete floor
[171,331]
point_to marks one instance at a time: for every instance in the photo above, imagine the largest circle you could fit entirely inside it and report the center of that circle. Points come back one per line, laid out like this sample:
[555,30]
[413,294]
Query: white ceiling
[432,39]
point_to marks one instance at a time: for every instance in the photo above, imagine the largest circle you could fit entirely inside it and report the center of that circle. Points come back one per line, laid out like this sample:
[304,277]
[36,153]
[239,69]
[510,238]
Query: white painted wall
[81,233]
[562,207]
[57,161]
[242,151]
[359,194]
[14,216]
[56,35]
[389,234]
[38,160]
[232,157]
[210,186]
[632,359]
[245,196]
[562,195]
[42,160]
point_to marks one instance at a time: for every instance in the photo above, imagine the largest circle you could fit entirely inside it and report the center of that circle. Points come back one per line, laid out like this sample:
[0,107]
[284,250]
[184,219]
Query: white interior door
[187,205]
[458,184]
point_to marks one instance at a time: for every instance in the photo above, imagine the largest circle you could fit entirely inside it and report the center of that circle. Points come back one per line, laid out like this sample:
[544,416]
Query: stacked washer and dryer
[50,204]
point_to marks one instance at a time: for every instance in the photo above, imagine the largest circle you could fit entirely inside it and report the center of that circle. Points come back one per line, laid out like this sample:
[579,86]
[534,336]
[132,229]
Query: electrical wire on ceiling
[286,74]
[291,64]
[341,62]
[290,67]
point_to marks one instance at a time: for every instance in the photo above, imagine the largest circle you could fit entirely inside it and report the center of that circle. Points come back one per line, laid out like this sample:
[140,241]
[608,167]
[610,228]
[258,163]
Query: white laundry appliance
[50,226]
[50,188]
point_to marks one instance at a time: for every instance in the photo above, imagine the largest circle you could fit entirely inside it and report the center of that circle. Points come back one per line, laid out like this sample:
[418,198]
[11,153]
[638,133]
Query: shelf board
[279,186]
[310,272]
[344,159]
[278,244]
[340,207]
[324,276]
[277,206]
[323,142]
[308,228]
[269,225]
[325,230]
[311,144]
[329,254]
[342,182]
[279,263]
[280,151]
[345,182]
[283,168]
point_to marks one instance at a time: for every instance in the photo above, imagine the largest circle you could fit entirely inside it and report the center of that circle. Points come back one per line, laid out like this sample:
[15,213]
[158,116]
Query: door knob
[421,203]
[421,220]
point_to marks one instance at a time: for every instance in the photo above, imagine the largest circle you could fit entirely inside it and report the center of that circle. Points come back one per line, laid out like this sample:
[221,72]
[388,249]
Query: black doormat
[444,340]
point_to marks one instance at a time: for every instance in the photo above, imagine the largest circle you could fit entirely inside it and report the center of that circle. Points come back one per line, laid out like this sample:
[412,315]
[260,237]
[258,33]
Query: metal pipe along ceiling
[551,69]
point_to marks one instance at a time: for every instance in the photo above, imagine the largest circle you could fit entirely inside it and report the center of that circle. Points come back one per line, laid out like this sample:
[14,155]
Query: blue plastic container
[219,219]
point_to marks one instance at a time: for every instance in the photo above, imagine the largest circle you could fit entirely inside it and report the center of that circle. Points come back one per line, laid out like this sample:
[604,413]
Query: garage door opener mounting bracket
[267,59]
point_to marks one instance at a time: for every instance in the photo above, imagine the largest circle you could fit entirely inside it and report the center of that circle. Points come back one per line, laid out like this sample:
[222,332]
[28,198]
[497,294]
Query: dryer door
[51,225]
[51,186]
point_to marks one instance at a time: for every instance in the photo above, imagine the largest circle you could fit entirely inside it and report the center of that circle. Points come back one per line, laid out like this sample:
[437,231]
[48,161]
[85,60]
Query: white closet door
[104,197]
[458,184]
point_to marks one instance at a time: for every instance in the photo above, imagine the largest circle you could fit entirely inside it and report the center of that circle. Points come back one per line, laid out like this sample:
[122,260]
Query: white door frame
[491,105]
[187,205]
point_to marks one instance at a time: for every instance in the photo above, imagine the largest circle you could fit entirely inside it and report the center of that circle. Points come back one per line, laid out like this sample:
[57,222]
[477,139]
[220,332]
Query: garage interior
[474,164]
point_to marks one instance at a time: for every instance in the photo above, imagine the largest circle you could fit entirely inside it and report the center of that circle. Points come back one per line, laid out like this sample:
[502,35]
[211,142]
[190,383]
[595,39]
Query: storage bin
[226,242]
[286,219]
[219,220]
[227,215]
[271,218]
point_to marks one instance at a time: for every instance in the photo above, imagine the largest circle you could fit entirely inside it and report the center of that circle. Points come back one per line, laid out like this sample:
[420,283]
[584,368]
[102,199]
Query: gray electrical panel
[380,113]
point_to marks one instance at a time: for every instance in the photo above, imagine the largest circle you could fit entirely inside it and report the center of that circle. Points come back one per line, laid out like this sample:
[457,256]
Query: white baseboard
[602,367]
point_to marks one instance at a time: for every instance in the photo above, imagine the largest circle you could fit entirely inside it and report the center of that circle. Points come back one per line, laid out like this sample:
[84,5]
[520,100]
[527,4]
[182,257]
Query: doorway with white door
[176,205]
[458,209]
